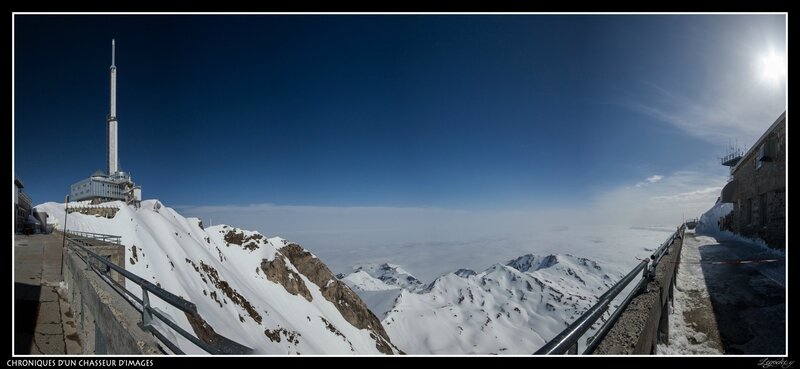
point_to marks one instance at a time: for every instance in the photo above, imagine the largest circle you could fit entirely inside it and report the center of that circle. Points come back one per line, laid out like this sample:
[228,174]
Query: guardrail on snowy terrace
[566,342]
[80,241]
[96,236]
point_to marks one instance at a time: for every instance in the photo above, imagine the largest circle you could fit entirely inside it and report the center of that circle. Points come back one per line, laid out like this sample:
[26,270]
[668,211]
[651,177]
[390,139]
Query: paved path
[41,316]
[744,302]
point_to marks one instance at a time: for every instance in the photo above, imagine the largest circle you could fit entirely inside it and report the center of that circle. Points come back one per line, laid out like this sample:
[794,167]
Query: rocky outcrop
[230,292]
[249,243]
[275,335]
[346,301]
[465,273]
[206,333]
[278,272]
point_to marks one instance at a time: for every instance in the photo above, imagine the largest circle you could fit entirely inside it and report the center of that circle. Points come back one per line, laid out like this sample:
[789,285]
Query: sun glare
[773,67]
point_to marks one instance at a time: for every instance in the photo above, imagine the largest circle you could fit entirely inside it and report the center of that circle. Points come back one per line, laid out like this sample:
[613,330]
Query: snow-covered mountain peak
[361,280]
[508,308]
[391,275]
[266,293]
[465,273]
[531,263]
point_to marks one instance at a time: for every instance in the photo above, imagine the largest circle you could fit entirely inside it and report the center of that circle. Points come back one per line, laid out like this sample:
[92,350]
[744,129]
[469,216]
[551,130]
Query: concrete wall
[644,322]
[115,254]
[107,323]
[759,204]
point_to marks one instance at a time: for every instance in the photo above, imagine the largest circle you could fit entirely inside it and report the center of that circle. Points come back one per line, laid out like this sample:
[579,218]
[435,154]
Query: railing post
[107,269]
[647,274]
[147,316]
[573,350]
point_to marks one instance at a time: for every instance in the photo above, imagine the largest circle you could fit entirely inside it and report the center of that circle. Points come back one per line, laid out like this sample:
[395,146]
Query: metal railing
[24,198]
[110,238]
[221,345]
[566,342]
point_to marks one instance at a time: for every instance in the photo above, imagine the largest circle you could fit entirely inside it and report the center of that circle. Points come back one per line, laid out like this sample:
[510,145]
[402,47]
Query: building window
[762,209]
[764,153]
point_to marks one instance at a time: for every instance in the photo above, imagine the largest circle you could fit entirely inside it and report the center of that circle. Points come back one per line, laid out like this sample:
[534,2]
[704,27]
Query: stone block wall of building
[759,210]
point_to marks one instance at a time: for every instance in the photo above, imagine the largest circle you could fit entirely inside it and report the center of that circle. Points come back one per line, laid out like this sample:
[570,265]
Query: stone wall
[645,321]
[759,208]
[99,211]
[106,322]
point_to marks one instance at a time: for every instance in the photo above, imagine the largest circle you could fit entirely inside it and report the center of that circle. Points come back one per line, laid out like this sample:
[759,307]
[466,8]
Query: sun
[773,67]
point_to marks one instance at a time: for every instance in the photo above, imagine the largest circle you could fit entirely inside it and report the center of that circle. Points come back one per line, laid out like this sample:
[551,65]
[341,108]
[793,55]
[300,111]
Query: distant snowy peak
[361,280]
[390,275]
[465,273]
[565,273]
[509,308]
[531,263]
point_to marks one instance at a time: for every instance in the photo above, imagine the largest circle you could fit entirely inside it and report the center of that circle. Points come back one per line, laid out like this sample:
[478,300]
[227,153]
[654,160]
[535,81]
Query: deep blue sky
[443,111]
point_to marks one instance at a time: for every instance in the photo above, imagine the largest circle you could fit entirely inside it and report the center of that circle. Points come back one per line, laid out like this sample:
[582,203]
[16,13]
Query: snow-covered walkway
[728,308]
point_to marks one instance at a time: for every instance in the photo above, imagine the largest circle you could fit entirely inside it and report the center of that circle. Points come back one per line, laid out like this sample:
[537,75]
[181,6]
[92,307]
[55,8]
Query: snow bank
[683,338]
[709,225]
[709,222]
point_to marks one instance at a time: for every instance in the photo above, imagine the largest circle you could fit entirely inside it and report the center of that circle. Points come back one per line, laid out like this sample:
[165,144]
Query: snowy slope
[509,308]
[363,281]
[266,293]
[378,285]
[391,275]
[378,295]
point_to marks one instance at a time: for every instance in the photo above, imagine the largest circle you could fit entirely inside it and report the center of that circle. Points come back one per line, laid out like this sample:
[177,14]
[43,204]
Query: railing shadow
[26,311]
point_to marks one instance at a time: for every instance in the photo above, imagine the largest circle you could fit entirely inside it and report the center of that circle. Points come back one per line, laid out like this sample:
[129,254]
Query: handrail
[25,197]
[595,340]
[224,346]
[98,236]
[566,342]
[661,250]
[568,338]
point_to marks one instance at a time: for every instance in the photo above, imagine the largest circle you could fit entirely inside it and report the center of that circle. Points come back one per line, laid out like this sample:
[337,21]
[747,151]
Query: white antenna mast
[113,159]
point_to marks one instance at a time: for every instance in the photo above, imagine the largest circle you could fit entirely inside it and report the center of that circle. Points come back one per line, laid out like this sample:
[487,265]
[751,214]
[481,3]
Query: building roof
[759,141]
[99,173]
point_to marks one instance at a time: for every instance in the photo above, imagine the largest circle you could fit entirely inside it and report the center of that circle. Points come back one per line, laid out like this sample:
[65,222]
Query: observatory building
[757,188]
[114,184]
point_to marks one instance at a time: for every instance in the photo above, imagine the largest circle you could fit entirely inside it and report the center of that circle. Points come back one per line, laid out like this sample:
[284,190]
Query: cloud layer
[435,240]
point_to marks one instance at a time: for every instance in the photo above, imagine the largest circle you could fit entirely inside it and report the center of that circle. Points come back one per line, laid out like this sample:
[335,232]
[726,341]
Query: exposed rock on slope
[348,303]
[278,271]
